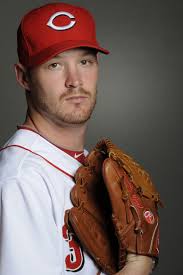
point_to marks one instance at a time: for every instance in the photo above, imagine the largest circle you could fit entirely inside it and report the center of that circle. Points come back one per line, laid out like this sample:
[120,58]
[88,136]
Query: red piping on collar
[21,127]
[15,145]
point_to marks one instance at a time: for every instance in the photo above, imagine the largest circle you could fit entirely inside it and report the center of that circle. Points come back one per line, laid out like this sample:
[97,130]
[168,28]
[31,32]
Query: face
[64,89]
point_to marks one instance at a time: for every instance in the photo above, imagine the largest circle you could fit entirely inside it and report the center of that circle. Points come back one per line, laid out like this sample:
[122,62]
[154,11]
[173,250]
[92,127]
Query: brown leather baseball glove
[115,208]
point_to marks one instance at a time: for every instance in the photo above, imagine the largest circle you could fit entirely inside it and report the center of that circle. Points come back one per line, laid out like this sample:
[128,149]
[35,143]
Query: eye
[54,66]
[86,62]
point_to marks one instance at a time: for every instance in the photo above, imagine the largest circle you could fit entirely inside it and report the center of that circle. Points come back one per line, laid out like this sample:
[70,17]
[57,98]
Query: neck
[66,136]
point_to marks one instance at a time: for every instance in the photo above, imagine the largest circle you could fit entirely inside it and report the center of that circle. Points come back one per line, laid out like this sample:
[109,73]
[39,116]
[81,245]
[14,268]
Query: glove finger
[113,177]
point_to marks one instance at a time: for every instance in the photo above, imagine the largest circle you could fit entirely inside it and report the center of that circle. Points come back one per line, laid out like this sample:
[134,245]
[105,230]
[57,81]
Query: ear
[22,76]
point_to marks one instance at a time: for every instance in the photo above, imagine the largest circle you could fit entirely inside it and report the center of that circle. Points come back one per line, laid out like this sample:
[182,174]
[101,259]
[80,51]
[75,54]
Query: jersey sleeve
[30,240]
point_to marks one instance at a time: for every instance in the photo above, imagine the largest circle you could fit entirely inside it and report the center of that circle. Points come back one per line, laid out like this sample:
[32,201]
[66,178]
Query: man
[58,68]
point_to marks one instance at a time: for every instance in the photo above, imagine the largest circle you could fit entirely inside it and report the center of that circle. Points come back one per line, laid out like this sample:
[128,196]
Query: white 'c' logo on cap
[61,28]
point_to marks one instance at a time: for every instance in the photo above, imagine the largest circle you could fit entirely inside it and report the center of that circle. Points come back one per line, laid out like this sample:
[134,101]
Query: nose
[73,78]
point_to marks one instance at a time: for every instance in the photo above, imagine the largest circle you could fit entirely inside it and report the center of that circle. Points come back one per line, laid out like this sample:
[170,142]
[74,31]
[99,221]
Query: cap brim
[55,49]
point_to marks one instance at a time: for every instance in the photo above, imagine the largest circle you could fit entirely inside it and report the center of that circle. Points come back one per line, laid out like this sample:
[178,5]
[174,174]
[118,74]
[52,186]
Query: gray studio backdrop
[140,96]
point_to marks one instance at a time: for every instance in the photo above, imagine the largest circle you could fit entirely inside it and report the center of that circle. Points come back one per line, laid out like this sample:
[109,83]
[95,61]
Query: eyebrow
[87,52]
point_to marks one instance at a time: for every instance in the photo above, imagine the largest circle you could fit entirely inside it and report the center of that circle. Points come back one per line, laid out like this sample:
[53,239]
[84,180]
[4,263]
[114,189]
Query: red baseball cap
[54,28]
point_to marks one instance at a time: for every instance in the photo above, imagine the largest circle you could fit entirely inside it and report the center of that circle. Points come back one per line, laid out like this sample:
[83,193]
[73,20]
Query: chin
[77,117]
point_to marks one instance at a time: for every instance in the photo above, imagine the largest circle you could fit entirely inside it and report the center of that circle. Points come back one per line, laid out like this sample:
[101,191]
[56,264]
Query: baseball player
[58,69]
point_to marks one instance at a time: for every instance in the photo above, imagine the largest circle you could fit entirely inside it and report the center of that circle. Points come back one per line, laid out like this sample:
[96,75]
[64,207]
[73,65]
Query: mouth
[76,99]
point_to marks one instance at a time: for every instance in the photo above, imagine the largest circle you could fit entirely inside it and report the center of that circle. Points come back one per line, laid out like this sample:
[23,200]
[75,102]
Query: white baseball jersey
[35,182]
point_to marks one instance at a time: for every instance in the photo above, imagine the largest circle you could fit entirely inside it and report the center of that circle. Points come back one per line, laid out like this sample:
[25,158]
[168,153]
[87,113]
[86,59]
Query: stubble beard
[80,115]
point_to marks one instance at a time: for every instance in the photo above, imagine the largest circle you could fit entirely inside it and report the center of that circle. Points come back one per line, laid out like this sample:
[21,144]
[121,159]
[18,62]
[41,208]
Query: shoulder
[21,174]
[28,149]
[16,163]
